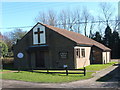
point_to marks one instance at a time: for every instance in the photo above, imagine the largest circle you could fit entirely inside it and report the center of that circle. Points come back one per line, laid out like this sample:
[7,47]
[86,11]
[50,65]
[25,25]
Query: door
[40,59]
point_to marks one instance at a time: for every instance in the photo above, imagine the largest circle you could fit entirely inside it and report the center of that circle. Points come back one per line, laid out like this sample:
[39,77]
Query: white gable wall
[42,35]
[82,61]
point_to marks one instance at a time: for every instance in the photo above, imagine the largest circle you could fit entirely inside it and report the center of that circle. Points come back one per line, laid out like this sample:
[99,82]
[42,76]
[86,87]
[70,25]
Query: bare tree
[116,23]
[48,17]
[86,18]
[71,19]
[91,27]
[107,12]
[63,19]
[13,36]
[52,20]
[67,19]
[42,17]
[100,26]
[77,26]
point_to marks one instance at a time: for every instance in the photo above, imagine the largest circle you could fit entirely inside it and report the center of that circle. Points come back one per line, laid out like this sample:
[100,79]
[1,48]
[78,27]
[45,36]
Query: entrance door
[40,59]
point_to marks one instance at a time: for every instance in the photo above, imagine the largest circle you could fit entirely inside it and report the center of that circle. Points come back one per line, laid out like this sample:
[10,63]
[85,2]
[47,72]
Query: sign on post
[64,66]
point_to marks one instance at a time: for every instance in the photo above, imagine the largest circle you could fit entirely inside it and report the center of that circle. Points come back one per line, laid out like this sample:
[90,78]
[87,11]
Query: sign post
[65,66]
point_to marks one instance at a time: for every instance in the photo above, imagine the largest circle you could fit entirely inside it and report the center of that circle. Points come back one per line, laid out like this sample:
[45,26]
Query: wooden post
[84,71]
[18,69]
[66,71]
[47,71]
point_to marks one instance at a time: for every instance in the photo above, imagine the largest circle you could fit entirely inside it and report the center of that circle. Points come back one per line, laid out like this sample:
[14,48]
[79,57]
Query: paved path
[8,71]
[89,83]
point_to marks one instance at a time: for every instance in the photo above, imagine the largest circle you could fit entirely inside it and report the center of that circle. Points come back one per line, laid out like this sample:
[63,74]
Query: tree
[48,17]
[3,49]
[78,20]
[86,18]
[91,28]
[107,11]
[12,37]
[115,44]
[63,19]
[91,34]
[8,41]
[52,20]
[66,19]
[98,37]
[105,16]
[116,24]
[107,39]
[16,35]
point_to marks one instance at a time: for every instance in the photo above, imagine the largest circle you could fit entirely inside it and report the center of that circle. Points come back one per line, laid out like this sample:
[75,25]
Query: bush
[3,49]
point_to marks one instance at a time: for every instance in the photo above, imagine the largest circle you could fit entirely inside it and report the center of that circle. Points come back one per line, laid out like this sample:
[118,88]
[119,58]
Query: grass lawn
[97,67]
[4,70]
[53,78]
[48,78]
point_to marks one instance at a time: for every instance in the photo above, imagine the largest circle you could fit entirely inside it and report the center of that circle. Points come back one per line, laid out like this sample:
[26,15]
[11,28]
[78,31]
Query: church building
[45,46]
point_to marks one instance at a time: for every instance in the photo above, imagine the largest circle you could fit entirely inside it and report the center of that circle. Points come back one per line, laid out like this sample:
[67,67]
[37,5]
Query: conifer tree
[107,39]
[98,37]
[115,44]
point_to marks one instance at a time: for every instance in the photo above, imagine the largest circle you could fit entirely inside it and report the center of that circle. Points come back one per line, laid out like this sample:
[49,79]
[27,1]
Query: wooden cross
[38,32]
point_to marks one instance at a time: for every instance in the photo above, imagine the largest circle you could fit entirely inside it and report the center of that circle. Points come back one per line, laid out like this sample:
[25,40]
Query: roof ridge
[76,37]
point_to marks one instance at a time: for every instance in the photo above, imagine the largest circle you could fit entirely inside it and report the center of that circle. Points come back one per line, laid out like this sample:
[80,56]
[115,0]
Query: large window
[83,52]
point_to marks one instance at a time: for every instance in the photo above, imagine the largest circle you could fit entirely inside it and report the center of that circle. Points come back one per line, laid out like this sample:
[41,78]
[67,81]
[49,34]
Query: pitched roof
[78,38]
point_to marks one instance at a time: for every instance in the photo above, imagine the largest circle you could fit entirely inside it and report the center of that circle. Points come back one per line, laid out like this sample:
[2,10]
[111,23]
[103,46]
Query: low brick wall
[115,60]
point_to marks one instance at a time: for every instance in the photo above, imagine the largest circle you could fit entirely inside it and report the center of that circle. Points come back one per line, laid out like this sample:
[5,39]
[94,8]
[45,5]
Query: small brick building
[46,46]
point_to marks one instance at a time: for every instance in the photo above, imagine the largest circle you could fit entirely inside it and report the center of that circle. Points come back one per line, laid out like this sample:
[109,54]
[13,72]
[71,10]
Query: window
[78,53]
[83,52]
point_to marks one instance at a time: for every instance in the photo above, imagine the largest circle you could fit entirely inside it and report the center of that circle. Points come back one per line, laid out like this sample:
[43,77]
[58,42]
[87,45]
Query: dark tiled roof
[78,38]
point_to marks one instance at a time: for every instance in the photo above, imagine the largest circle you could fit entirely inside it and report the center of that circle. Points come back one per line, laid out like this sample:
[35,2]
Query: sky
[20,14]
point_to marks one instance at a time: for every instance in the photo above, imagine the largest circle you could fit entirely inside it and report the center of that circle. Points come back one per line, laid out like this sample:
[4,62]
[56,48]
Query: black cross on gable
[38,32]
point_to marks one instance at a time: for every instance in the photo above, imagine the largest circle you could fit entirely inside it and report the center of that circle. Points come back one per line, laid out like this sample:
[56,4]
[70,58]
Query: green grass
[4,70]
[97,67]
[46,78]
[54,78]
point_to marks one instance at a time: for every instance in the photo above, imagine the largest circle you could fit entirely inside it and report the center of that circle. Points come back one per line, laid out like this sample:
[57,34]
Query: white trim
[42,35]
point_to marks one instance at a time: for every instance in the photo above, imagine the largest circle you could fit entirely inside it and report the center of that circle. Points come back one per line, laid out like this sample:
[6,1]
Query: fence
[66,71]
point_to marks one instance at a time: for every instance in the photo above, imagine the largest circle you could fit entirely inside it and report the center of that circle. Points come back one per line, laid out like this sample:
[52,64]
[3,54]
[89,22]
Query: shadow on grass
[58,73]
[72,75]
[111,76]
